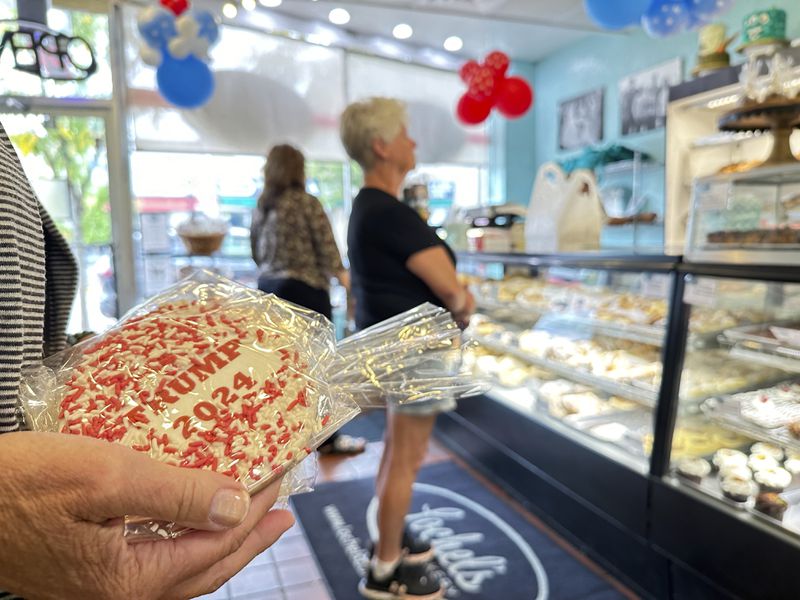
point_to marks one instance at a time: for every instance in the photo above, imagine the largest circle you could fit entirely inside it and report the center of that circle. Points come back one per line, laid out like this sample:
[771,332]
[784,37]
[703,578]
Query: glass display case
[738,438]
[752,216]
[576,347]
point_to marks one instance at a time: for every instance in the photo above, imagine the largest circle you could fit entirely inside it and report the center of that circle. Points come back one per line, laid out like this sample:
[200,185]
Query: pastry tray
[638,422]
[750,343]
[711,485]
[727,412]
[646,397]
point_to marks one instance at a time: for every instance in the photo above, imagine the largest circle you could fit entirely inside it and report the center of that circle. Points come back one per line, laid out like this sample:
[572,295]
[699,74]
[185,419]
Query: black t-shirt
[382,235]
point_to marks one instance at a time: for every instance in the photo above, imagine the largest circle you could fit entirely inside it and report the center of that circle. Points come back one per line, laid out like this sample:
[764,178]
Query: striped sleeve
[61,286]
[12,327]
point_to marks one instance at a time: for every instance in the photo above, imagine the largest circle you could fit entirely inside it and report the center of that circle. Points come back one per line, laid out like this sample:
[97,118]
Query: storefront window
[65,159]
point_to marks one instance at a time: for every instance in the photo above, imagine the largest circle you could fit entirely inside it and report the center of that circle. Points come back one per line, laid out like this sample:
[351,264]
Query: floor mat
[484,548]
[369,425]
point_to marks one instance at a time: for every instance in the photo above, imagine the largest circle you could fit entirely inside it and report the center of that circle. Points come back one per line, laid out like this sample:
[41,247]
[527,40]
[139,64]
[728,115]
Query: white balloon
[188,40]
[150,56]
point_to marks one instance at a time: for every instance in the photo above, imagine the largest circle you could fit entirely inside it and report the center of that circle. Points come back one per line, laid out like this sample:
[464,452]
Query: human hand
[61,530]
[463,316]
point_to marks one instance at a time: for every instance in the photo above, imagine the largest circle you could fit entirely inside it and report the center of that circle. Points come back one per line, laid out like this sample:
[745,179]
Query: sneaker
[408,582]
[415,552]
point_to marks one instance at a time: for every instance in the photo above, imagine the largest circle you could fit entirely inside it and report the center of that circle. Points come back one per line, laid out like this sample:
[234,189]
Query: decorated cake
[764,27]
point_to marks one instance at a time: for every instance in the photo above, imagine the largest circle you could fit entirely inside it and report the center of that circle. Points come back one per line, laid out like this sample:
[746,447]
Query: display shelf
[652,335]
[725,139]
[766,175]
[789,362]
[625,166]
[642,396]
[711,487]
[522,401]
[752,344]
[726,412]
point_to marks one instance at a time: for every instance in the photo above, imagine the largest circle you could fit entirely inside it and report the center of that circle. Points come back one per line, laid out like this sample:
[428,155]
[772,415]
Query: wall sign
[46,53]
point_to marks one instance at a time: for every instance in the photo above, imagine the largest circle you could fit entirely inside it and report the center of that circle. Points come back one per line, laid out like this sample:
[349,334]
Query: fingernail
[229,507]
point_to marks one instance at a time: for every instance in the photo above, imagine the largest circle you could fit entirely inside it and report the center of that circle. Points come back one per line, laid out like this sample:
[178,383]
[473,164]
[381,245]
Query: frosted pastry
[764,448]
[726,457]
[738,490]
[694,469]
[760,462]
[773,479]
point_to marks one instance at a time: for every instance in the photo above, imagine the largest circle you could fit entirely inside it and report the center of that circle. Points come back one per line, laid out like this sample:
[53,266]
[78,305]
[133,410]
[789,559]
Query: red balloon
[176,6]
[498,62]
[467,70]
[483,85]
[471,110]
[514,97]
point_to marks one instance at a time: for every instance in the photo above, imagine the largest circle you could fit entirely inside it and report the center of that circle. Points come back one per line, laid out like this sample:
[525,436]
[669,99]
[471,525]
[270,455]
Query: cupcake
[726,457]
[694,469]
[792,465]
[738,490]
[770,449]
[773,480]
[759,462]
[736,472]
[771,504]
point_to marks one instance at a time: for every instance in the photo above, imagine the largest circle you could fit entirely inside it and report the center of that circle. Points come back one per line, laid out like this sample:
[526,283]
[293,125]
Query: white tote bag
[565,213]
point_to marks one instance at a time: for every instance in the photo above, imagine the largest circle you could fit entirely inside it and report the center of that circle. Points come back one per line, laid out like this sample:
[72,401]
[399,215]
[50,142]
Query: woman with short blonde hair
[397,262]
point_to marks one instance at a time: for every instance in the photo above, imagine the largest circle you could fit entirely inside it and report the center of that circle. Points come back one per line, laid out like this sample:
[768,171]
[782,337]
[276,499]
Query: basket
[202,245]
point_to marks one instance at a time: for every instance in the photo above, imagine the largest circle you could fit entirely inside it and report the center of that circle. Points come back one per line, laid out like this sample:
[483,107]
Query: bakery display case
[751,216]
[744,447]
[647,406]
[576,347]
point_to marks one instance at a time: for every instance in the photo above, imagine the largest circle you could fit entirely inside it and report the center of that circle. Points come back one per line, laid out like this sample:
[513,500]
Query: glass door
[65,158]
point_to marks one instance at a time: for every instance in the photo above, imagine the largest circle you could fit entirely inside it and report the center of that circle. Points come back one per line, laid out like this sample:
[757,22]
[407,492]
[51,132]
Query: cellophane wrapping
[211,374]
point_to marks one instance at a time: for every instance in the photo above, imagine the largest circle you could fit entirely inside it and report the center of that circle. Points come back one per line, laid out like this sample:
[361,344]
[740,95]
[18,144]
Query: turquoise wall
[601,61]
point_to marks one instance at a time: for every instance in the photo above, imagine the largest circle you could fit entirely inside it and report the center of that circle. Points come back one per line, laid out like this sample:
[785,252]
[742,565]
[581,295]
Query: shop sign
[48,54]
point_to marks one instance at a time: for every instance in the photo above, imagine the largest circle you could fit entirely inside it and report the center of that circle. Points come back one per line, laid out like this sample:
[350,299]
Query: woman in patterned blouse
[294,248]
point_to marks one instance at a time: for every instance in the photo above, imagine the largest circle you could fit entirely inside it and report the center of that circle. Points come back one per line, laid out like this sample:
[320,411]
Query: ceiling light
[339,16]
[403,31]
[229,10]
[249,4]
[270,3]
[453,43]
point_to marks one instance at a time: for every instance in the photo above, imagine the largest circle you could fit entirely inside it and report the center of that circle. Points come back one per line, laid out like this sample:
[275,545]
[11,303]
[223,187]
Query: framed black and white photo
[643,97]
[580,121]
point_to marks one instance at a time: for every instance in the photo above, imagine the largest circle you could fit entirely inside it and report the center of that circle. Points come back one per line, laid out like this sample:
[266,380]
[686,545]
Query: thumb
[190,497]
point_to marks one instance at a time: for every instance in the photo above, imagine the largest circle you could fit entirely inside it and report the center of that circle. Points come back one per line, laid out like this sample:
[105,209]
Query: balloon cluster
[488,87]
[659,18]
[176,41]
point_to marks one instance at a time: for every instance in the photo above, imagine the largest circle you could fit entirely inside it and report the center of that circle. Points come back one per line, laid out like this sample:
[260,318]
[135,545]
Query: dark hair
[285,170]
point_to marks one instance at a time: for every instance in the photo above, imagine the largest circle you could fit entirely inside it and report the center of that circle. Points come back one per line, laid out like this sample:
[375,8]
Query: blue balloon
[209,28]
[159,30]
[616,14]
[705,10]
[666,17]
[185,82]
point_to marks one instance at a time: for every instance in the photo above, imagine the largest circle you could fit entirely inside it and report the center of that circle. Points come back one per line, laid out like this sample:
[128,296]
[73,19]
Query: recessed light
[249,4]
[453,43]
[339,16]
[270,3]
[229,10]
[402,31]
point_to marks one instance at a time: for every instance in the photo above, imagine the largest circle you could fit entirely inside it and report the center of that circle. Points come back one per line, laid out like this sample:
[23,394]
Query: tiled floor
[288,571]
